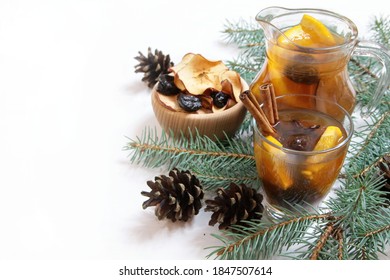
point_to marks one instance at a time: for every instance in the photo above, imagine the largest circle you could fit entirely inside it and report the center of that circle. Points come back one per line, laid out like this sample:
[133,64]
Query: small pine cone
[384,167]
[152,66]
[176,197]
[234,205]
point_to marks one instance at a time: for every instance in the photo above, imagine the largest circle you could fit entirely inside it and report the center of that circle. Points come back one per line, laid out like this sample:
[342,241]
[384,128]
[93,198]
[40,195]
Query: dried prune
[166,85]
[190,103]
[297,142]
[219,99]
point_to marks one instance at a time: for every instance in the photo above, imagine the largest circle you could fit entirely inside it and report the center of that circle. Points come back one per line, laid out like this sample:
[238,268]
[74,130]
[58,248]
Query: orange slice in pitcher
[310,32]
[296,35]
[319,33]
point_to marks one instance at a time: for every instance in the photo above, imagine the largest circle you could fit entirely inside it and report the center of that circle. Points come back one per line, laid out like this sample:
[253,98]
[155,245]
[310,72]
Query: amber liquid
[293,71]
[290,177]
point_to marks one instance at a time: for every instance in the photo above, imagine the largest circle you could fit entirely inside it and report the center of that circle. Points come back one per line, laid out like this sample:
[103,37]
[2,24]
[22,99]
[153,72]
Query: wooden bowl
[212,125]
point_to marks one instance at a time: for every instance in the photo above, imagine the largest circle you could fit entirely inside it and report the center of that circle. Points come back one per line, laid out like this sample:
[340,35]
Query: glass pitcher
[311,69]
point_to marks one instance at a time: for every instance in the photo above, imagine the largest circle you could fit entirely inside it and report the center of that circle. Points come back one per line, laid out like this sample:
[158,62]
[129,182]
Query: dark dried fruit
[303,74]
[220,99]
[297,142]
[299,135]
[188,102]
[302,70]
[166,85]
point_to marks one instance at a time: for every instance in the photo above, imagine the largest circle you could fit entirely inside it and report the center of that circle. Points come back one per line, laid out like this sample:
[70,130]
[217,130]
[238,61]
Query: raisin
[166,85]
[220,99]
[190,103]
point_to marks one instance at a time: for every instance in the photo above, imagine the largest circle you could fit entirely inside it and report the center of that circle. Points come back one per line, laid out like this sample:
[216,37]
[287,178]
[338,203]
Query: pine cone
[384,167]
[152,66]
[177,197]
[234,205]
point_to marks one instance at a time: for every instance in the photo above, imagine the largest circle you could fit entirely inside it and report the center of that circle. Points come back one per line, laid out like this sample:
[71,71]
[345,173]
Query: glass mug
[293,177]
[312,70]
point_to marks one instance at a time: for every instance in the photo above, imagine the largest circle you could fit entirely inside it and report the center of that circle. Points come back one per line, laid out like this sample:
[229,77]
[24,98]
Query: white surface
[68,98]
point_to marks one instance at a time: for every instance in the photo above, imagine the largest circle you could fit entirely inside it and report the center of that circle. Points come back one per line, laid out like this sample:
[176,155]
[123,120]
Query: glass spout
[267,17]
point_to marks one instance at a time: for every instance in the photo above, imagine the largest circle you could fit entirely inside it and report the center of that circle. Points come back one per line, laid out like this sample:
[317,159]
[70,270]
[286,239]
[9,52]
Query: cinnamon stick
[253,99]
[257,113]
[274,104]
[265,94]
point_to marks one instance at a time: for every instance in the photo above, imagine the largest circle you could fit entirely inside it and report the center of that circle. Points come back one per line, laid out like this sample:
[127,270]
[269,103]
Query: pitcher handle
[382,55]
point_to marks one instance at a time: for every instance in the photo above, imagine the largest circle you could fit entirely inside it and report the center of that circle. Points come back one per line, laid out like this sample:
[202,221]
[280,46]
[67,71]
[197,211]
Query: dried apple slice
[227,87]
[197,74]
[169,102]
[207,101]
[235,81]
[183,63]
[230,103]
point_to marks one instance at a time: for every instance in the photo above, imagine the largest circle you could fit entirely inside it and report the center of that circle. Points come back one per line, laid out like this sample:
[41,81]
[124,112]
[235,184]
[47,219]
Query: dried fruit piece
[297,142]
[183,63]
[329,139]
[220,99]
[196,74]
[166,86]
[230,103]
[235,81]
[169,102]
[276,159]
[297,36]
[316,163]
[304,72]
[207,101]
[188,102]
[227,88]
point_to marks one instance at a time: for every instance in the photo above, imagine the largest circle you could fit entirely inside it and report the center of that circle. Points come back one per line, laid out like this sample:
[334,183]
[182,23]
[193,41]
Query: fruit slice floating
[274,161]
[310,32]
[318,31]
[329,139]
[317,164]
[296,35]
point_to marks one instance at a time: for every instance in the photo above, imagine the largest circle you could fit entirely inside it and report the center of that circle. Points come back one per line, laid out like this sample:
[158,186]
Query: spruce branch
[339,236]
[249,38]
[365,69]
[211,160]
[374,130]
[380,29]
[373,234]
[366,169]
[377,231]
[264,240]
[324,237]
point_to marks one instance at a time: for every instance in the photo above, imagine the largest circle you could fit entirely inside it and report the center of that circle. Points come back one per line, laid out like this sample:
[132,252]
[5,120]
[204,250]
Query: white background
[68,98]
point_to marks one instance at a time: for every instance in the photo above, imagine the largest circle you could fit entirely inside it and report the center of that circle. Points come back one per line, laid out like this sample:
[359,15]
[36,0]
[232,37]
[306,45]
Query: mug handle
[382,55]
